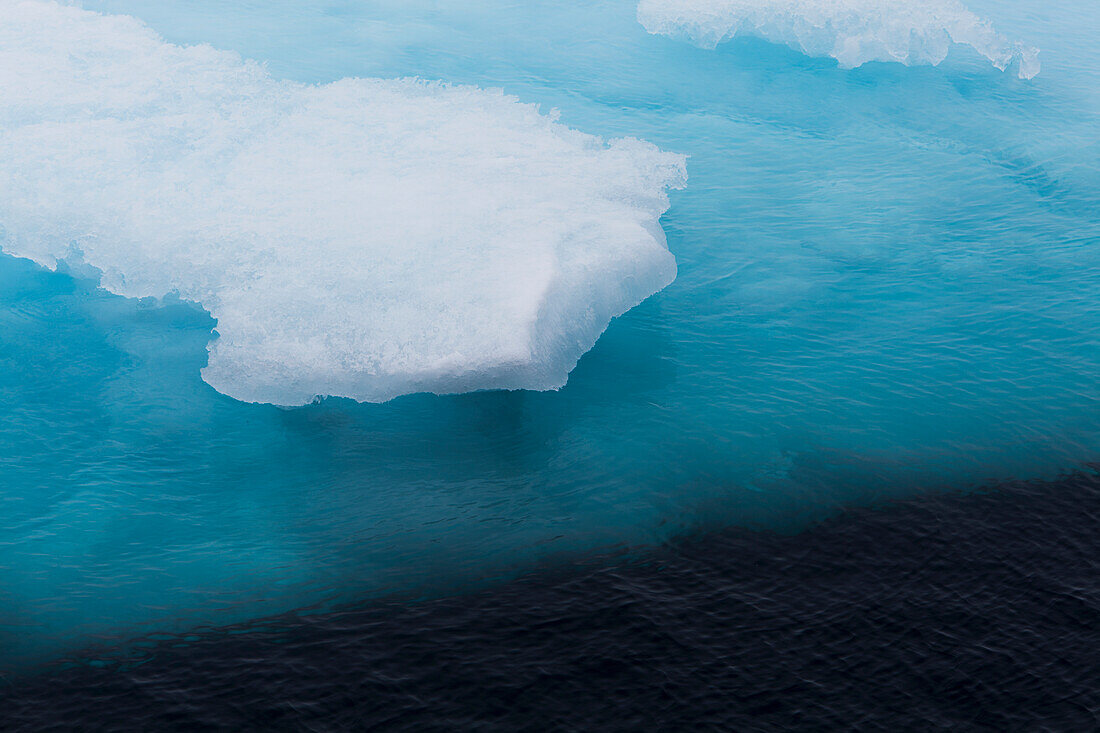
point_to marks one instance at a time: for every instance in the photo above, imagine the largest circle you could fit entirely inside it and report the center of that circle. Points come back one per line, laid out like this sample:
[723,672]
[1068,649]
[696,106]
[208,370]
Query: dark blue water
[885,287]
[962,612]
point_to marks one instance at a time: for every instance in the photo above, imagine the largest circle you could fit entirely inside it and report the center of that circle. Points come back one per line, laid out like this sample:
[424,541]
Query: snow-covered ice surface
[362,238]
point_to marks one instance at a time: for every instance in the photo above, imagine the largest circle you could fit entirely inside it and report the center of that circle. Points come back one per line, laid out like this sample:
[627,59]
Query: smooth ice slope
[363,238]
[851,31]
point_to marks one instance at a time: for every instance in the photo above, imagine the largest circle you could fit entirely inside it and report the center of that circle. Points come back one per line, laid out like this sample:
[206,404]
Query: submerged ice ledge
[853,32]
[364,238]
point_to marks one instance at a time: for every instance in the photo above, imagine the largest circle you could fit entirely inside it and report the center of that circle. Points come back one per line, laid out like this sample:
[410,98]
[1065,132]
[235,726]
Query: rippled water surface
[888,280]
[965,612]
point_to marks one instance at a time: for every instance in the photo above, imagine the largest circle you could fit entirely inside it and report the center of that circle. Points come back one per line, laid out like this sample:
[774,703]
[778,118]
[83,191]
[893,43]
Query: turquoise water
[887,282]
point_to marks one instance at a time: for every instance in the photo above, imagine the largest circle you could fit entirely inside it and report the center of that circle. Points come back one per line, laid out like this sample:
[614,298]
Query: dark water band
[979,611]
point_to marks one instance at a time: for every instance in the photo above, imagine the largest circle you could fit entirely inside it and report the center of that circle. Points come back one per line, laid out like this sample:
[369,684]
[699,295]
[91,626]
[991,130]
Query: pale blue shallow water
[889,281]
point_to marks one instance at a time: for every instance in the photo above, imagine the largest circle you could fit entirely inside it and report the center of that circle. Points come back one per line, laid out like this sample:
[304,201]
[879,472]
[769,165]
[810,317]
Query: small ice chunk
[851,31]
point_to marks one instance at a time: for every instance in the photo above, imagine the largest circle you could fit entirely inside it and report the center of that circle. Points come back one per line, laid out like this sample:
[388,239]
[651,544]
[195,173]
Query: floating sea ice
[363,238]
[851,31]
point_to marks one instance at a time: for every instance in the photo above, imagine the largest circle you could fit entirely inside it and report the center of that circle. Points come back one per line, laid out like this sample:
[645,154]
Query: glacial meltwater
[306,302]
